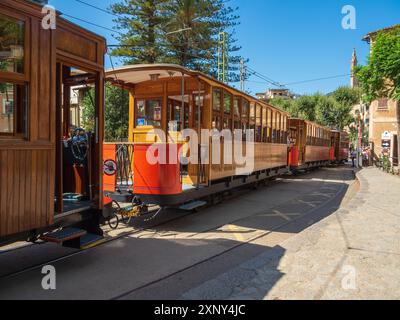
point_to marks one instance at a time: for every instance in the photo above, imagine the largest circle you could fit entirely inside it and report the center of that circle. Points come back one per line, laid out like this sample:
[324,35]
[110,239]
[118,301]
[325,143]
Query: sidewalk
[352,254]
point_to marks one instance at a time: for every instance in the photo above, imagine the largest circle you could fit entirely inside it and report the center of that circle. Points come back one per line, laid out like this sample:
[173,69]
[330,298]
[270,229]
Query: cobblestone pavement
[352,254]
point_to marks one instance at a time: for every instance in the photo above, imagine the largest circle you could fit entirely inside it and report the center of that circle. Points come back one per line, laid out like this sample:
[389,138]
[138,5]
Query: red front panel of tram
[160,178]
[294,157]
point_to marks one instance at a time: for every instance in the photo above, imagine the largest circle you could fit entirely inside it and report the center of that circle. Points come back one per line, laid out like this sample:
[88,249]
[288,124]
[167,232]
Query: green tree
[183,32]
[116,113]
[340,115]
[140,30]
[333,110]
[381,76]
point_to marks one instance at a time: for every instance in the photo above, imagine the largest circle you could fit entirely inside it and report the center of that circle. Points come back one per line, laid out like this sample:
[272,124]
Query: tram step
[63,235]
[91,240]
[192,205]
[85,242]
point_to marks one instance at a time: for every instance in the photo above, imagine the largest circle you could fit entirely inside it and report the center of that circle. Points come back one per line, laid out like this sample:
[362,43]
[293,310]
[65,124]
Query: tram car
[50,167]
[310,145]
[172,98]
[340,143]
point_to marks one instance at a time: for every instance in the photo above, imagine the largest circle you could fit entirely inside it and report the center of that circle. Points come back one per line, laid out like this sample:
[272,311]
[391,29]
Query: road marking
[311,204]
[280,214]
[235,230]
[327,195]
[284,216]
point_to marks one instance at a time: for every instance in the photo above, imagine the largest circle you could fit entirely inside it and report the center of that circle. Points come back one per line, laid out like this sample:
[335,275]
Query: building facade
[383,118]
[275,93]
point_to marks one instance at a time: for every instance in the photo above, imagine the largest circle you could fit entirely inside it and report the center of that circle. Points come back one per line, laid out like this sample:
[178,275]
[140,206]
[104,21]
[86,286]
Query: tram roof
[134,74]
[315,124]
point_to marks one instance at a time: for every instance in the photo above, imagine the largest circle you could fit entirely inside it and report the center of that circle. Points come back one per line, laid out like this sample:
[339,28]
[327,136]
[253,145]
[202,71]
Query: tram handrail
[124,158]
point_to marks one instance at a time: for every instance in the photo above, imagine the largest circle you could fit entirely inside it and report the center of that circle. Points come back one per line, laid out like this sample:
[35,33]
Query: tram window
[273,133]
[278,127]
[269,124]
[245,109]
[252,118]
[264,117]
[12,33]
[141,109]
[13,109]
[227,103]
[258,115]
[227,124]
[236,110]
[252,112]
[216,123]
[217,100]
[198,103]
[258,132]
[264,124]
[148,113]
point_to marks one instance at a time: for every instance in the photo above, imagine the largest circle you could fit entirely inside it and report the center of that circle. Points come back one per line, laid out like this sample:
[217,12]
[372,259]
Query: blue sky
[286,40]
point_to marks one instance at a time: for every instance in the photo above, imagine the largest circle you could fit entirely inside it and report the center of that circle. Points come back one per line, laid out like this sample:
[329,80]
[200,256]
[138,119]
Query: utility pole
[242,74]
[222,57]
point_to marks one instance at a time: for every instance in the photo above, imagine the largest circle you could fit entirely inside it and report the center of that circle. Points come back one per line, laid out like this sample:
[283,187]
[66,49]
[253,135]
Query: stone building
[383,118]
[282,93]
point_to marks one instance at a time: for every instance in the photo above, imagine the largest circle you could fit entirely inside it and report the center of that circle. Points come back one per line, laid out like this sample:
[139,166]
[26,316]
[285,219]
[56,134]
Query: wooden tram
[340,142]
[50,175]
[173,98]
[53,172]
[310,145]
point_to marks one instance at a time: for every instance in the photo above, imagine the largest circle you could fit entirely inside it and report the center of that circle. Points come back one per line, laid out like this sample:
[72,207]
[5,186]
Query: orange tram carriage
[171,98]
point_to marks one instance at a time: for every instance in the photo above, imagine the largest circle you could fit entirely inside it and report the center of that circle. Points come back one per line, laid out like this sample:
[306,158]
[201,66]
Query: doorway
[395,151]
[76,126]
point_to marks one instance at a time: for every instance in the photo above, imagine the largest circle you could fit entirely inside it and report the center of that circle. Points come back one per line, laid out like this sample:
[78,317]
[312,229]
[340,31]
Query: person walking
[353,156]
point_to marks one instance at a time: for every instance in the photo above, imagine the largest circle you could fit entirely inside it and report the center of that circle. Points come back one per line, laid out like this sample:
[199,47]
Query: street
[178,252]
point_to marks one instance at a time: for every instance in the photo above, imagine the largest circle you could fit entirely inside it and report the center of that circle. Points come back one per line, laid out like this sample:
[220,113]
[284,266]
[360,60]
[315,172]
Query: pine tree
[183,32]
[139,26]
[197,47]
[225,20]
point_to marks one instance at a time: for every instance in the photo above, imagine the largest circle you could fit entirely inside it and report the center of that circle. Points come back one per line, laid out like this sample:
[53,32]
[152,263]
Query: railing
[121,176]
[124,159]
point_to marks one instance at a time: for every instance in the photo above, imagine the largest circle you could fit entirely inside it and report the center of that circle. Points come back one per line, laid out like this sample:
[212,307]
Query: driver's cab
[76,150]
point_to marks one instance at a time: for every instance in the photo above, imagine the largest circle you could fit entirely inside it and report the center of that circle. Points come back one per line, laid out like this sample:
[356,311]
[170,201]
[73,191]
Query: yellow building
[383,118]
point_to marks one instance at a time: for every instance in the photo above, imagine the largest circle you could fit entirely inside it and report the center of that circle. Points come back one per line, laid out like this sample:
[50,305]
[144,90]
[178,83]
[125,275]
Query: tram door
[76,125]
[301,144]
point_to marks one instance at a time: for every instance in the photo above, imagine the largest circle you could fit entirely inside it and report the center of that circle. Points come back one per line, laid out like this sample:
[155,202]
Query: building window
[12,55]
[383,103]
[13,109]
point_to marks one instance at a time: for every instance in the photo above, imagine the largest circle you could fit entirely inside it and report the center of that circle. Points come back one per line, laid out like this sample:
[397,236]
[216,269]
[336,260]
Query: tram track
[341,191]
[236,194]
[111,239]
